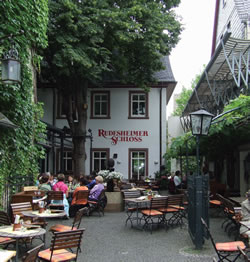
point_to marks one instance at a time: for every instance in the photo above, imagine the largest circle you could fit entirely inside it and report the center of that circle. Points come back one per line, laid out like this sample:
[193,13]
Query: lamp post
[197,184]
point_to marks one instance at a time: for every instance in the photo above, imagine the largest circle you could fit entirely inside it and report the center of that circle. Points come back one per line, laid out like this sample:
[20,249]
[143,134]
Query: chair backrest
[31,255]
[175,200]
[4,218]
[54,195]
[78,217]
[67,239]
[126,186]
[82,194]
[30,188]
[158,202]
[131,194]
[18,208]
[243,254]
[208,233]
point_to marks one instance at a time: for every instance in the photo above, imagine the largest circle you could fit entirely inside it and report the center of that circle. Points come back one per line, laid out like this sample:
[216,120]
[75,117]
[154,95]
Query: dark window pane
[142,97]
[104,109]
[97,109]
[103,154]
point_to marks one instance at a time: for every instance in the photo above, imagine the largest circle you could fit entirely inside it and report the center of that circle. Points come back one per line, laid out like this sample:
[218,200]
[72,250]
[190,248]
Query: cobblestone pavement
[107,239]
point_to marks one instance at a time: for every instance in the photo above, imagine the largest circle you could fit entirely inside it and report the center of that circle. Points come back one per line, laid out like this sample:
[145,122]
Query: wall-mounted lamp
[11,69]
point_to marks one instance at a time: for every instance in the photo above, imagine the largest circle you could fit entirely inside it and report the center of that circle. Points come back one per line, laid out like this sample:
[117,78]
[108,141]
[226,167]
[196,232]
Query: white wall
[119,121]
[119,98]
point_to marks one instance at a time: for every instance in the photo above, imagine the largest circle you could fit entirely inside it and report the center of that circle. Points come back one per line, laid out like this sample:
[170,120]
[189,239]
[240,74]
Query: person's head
[70,178]
[60,177]
[51,177]
[99,179]
[83,181]
[44,179]
[177,173]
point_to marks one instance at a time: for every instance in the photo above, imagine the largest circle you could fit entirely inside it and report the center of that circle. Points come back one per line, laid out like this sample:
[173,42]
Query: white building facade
[126,124]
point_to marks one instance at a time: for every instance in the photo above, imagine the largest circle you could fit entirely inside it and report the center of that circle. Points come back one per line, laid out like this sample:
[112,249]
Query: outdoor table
[138,202]
[6,255]
[7,231]
[45,214]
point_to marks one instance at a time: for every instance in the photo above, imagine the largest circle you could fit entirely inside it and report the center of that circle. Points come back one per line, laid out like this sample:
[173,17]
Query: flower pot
[16,227]
[41,210]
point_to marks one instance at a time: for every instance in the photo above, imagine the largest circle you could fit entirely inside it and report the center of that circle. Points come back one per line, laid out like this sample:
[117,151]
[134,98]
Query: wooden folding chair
[31,255]
[5,220]
[55,200]
[174,206]
[19,208]
[64,246]
[75,225]
[130,208]
[148,215]
[226,251]
[244,255]
[98,205]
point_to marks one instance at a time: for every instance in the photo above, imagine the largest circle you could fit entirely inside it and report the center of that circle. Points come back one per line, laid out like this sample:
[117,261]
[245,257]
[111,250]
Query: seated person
[61,186]
[245,211]
[97,189]
[52,180]
[177,180]
[91,182]
[77,204]
[72,183]
[44,183]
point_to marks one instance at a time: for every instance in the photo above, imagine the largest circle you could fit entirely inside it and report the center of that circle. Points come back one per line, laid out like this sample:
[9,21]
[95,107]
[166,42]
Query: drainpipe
[53,136]
[215,26]
[160,127]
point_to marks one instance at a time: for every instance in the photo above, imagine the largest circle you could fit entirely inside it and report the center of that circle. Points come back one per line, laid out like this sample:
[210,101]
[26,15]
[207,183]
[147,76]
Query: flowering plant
[110,175]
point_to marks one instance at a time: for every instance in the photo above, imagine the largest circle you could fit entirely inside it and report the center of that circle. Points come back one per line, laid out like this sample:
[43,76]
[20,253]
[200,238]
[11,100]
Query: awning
[4,121]
[225,78]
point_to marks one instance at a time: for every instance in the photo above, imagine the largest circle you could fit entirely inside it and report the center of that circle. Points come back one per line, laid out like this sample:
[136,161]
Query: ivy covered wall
[26,21]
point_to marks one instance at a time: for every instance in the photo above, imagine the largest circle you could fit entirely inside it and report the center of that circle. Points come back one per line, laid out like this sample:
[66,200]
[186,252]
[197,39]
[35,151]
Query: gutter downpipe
[160,131]
[215,26]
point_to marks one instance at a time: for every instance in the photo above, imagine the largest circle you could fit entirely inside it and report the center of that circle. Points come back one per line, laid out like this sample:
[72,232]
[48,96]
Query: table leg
[17,249]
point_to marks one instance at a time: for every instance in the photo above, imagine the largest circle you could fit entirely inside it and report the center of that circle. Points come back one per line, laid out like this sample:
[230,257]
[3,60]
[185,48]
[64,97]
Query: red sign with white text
[122,135]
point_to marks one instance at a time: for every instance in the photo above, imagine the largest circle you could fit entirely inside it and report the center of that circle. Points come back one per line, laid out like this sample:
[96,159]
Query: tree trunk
[77,119]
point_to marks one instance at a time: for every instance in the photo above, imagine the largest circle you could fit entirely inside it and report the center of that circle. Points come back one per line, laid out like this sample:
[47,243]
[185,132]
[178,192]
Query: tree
[89,38]
[185,94]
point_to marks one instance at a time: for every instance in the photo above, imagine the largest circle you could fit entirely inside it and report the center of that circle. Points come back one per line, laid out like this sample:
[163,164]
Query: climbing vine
[24,24]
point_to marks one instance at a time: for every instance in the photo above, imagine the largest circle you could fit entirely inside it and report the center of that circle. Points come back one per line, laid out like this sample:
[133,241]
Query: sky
[194,48]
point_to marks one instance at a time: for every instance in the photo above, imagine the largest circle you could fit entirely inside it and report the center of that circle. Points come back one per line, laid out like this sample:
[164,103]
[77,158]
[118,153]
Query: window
[138,105]
[100,104]
[67,161]
[62,107]
[138,164]
[100,157]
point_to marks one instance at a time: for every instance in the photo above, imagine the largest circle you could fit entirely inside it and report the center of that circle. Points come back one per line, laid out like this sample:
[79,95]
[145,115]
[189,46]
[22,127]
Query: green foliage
[88,38]
[185,94]
[225,134]
[19,152]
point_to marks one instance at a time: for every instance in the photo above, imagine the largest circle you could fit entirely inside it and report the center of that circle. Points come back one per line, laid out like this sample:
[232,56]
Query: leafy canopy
[127,38]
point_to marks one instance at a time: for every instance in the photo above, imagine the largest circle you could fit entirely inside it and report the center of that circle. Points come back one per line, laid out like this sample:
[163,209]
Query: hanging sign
[122,135]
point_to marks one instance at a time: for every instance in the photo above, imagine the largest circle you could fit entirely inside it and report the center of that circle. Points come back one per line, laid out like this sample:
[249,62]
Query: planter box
[115,202]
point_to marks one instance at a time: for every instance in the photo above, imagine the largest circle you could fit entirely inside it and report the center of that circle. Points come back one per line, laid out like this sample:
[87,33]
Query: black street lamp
[197,184]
